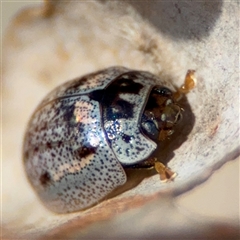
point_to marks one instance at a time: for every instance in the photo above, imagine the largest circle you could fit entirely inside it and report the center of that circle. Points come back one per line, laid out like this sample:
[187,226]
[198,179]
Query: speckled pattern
[123,113]
[80,135]
[70,165]
[85,84]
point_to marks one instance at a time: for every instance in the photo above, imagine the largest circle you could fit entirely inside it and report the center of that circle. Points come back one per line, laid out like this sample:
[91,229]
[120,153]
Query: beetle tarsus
[189,83]
[165,173]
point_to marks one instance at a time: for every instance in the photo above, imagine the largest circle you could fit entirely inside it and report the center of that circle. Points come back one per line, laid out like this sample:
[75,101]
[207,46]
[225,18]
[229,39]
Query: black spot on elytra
[113,106]
[49,145]
[68,112]
[126,138]
[85,151]
[59,144]
[124,105]
[36,149]
[45,178]
[53,154]
[139,149]
[97,95]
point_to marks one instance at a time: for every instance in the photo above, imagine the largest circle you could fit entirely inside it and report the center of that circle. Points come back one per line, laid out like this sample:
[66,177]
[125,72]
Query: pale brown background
[217,198]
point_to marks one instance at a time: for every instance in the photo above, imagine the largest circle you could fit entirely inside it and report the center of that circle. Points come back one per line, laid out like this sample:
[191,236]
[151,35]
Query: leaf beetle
[85,131]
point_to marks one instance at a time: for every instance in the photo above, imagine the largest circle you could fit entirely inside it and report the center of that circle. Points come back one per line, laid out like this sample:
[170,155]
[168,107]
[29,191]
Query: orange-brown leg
[189,83]
[166,174]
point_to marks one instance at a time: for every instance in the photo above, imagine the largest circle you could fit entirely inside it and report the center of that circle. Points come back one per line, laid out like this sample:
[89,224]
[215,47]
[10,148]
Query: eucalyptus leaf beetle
[85,131]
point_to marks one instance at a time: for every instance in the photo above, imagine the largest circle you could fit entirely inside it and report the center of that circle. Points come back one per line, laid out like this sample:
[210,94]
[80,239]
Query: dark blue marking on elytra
[126,138]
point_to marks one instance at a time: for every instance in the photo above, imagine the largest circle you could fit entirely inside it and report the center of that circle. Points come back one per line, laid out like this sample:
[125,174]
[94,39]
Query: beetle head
[161,114]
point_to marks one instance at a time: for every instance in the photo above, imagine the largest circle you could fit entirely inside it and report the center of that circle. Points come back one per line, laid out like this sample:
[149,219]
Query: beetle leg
[189,83]
[165,173]
[164,134]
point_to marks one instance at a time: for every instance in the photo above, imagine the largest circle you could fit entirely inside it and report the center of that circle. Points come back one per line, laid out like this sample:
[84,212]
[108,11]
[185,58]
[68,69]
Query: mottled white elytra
[85,131]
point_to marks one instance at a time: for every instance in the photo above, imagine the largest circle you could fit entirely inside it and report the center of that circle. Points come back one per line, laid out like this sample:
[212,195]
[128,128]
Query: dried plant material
[49,44]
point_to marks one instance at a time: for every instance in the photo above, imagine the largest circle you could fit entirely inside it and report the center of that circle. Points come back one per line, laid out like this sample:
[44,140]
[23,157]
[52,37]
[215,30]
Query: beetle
[83,134]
